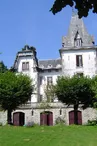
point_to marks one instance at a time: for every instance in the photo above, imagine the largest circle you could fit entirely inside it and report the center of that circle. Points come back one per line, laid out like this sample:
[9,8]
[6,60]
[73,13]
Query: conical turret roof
[77,26]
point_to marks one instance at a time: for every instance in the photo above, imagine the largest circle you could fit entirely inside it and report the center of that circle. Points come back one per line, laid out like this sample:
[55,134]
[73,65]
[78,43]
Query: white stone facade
[78,55]
[69,62]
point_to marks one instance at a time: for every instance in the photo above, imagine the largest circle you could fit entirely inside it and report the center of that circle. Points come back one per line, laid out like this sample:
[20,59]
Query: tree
[14,91]
[94,87]
[49,91]
[82,6]
[75,91]
[3,68]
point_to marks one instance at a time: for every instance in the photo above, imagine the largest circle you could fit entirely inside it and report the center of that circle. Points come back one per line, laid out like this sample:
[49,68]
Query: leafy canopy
[82,6]
[75,91]
[14,90]
[3,68]
[49,92]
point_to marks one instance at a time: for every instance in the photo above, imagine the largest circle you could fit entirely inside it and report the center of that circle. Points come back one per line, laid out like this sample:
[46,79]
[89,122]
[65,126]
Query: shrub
[92,122]
[59,120]
[30,124]
[1,124]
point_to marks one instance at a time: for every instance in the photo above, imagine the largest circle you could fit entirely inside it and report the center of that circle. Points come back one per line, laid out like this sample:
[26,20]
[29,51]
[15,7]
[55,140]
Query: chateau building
[78,55]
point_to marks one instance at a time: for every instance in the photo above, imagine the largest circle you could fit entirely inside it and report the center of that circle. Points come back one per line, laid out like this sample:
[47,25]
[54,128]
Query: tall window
[40,80]
[40,98]
[25,66]
[79,61]
[49,80]
[77,40]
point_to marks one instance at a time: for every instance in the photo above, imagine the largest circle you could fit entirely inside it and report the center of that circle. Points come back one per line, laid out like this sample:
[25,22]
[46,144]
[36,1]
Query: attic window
[77,40]
[41,66]
[49,65]
[58,66]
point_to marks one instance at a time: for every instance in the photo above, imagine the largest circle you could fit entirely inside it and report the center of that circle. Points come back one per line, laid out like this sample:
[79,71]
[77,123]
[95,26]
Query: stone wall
[3,117]
[87,114]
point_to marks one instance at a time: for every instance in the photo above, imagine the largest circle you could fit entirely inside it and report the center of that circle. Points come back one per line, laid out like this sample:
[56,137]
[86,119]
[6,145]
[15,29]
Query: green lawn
[48,136]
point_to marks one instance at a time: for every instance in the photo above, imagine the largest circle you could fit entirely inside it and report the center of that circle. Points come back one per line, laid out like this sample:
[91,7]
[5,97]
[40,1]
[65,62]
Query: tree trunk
[76,114]
[9,117]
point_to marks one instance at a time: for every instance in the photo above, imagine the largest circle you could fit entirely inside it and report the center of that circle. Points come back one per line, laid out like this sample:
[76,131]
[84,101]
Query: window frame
[40,80]
[49,80]
[79,61]
[25,66]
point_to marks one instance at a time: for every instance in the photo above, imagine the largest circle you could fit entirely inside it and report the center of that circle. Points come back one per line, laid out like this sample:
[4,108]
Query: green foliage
[82,6]
[0,124]
[59,121]
[14,90]
[3,68]
[75,91]
[92,122]
[94,87]
[50,92]
[44,105]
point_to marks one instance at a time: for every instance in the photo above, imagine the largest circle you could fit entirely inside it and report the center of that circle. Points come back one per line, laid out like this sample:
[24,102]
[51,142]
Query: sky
[30,22]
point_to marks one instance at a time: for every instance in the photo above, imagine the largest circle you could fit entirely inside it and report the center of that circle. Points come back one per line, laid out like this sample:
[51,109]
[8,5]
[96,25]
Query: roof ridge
[49,59]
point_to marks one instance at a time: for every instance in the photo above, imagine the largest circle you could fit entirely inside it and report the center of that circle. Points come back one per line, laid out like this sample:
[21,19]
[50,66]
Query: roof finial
[74,12]
[72,9]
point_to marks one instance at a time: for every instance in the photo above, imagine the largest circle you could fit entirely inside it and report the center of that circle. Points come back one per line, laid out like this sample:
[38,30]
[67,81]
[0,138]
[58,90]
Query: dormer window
[49,66]
[42,66]
[77,40]
[58,66]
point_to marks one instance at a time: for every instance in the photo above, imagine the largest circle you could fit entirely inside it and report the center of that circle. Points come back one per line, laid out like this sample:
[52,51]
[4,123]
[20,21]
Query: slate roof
[77,25]
[46,64]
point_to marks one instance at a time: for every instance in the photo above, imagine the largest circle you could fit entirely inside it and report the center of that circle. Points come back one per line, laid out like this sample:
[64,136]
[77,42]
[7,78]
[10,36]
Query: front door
[71,117]
[18,119]
[46,118]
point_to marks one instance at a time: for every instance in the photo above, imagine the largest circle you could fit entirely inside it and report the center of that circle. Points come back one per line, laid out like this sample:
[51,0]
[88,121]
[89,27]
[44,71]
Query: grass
[48,136]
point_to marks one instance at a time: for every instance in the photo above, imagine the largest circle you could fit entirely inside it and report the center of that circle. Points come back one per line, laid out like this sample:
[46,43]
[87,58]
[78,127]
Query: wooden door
[71,117]
[16,119]
[50,119]
[79,117]
[43,119]
[21,119]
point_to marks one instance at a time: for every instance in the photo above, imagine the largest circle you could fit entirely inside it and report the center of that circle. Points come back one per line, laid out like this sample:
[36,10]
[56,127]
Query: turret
[27,63]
